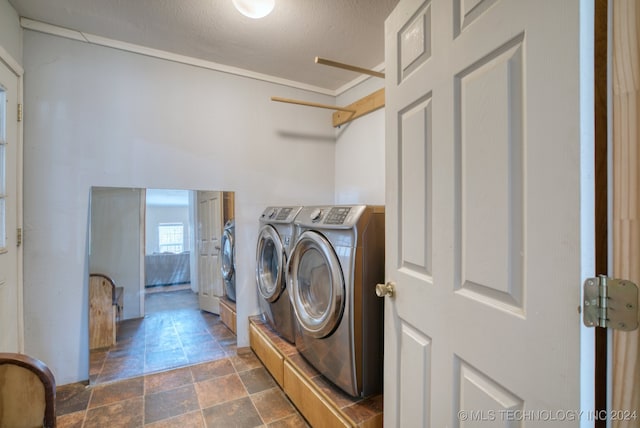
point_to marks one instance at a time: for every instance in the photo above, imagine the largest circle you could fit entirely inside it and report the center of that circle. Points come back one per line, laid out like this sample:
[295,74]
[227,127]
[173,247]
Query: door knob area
[387,289]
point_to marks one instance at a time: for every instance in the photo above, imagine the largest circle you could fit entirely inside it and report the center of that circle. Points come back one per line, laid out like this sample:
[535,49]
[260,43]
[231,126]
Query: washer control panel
[280,214]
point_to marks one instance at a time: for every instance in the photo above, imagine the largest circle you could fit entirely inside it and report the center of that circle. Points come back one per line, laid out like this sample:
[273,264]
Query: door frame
[17,69]
[623,139]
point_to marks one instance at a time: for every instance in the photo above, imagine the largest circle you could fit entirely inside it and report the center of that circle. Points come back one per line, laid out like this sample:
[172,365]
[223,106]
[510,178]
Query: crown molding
[43,27]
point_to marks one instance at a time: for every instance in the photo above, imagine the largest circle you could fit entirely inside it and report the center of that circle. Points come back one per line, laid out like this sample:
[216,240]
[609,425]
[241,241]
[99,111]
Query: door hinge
[19,238]
[19,112]
[610,303]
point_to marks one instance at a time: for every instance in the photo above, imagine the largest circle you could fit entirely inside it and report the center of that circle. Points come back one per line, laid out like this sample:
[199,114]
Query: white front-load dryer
[275,238]
[333,269]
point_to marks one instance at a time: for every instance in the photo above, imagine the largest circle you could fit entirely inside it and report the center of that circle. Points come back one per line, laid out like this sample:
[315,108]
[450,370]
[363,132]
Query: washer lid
[316,284]
[270,264]
[228,256]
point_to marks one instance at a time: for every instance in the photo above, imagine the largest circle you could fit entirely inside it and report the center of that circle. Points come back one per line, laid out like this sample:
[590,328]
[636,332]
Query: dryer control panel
[279,214]
[339,217]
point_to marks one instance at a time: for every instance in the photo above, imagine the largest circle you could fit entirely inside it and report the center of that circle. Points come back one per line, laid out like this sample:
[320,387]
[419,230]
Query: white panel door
[210,285]
[489,213]
[10,292]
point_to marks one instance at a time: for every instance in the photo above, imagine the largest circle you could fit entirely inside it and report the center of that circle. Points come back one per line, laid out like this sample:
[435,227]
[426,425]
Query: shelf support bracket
[368,104]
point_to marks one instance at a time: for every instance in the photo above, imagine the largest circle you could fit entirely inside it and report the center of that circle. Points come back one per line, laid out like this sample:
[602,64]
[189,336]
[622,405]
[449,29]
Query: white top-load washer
[333,269]
[275,238]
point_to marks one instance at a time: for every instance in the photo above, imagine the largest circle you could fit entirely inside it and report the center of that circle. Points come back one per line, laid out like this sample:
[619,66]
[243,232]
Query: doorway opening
[160,247]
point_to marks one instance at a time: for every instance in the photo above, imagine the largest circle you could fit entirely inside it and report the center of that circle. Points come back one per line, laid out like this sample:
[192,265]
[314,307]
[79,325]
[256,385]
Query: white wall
[157,214]
[359,162]
[97,116]
[10,31]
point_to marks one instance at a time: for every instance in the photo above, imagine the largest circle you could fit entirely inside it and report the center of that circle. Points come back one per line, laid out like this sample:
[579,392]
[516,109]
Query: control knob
[316,214]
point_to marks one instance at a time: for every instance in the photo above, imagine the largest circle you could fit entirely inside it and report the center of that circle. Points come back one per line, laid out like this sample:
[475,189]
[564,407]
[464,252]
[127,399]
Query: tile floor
[173,333]
[235,391]
[176,367]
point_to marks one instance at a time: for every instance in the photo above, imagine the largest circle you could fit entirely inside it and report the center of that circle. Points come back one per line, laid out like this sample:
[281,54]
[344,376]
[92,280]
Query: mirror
[157,297]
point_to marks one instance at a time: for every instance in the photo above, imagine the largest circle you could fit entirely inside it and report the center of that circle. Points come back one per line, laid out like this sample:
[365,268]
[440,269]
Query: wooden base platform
[228,313]
[317,399]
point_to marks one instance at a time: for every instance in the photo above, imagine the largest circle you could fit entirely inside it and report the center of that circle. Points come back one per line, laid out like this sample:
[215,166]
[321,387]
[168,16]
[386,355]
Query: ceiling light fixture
[254,8]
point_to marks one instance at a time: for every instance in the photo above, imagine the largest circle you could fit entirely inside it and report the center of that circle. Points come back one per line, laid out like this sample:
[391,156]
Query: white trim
[587,197]
[13,65]
[20,213]
[17,69]
[344,88]
[42,27]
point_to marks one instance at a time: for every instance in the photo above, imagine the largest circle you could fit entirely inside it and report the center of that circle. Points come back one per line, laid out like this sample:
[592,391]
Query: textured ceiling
[282,45]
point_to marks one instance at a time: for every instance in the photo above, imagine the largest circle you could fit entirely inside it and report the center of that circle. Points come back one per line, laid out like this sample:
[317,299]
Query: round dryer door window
[227,255]
[316,285]
[270,262]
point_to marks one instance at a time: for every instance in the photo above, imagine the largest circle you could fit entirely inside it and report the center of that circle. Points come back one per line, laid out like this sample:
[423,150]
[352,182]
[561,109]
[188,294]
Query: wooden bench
[105,310]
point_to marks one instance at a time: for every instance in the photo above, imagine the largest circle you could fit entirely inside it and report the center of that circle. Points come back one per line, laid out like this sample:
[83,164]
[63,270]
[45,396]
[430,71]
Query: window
[3,177]
[171,237]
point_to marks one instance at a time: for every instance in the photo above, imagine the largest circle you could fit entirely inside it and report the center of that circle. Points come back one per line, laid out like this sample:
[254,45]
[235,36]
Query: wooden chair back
[102,311]
[27,392]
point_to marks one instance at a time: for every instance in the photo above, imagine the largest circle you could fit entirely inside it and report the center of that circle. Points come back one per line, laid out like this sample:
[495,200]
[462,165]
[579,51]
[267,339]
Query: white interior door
[489,213]
[210,285]
[10,291]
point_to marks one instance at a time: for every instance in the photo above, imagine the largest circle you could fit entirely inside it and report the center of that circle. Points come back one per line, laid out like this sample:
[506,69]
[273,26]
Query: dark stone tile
[129,349]
[218,390]
[187,326]
[96,363]
[118,391]
[245,361]
[256,380]
[128,413]
[167,380]
[211,370]
[161,360]
[221,332]
[97,356]
[133,362]
[73,397]
[121,368]
[71,420]
[293,421]
[188,420]
[166,344]
[188,339]
[272,405]
[130,329]
[238,413]
[167,404]
[206,355]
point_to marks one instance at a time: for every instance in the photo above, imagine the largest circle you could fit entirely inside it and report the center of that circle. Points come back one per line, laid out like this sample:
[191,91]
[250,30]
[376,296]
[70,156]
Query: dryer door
[226,267]
[270,264]
[316,285]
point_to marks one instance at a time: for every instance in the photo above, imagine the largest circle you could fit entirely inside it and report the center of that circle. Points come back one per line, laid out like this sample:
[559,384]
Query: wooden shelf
[318,400]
